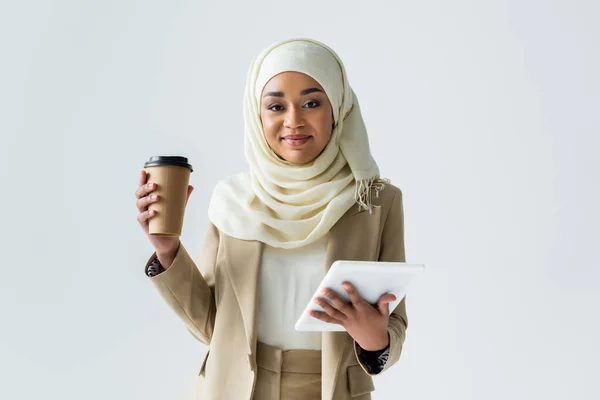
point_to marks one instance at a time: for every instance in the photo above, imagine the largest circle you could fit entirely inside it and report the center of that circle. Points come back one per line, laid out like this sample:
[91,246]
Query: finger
[331,311]
[143,177]
[383,305]
[145,215]
[145,189]
[143,203]
[138,191]
[355,298]
[324,317]
[337,301]
[189,193]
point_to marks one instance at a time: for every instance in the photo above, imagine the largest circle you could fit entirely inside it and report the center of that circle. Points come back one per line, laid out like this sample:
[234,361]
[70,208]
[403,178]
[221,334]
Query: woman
[273,232]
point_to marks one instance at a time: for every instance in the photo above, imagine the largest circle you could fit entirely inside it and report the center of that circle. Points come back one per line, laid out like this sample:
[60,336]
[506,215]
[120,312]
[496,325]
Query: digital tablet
[372,279]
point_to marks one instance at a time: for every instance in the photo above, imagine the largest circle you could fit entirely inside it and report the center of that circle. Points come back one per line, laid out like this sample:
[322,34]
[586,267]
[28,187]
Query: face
[296,116]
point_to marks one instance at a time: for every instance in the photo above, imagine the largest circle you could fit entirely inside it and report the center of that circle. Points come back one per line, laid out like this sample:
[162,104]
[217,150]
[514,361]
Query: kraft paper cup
[172,177]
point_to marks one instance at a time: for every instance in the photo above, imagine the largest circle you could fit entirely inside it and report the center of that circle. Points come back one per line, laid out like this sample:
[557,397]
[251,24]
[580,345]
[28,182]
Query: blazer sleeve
[392,249]
[189,289]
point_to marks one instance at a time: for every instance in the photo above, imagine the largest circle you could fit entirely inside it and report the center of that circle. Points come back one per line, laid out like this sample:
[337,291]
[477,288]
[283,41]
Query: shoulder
[391,203]
[388,196]
[230,195]
[239,181]
[233,188]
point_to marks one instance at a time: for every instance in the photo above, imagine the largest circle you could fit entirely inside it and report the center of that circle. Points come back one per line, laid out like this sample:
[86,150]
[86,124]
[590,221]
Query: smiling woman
[296,116]
[276,229]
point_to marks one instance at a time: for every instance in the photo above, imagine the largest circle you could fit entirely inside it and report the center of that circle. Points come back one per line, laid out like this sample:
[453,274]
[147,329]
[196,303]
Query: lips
[296,140]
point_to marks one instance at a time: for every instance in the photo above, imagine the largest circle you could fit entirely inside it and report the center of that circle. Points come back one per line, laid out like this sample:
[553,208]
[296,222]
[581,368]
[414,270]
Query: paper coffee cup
[172,177]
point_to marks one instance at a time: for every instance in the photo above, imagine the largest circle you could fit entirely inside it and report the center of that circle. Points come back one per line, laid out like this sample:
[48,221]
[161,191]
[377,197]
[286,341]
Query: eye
[312,104]
[275,108]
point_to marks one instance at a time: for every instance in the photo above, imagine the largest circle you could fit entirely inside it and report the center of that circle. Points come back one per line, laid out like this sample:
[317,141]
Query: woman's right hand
[165,246]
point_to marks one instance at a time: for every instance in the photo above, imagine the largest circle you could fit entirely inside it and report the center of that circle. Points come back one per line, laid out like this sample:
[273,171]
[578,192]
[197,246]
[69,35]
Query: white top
[288,279]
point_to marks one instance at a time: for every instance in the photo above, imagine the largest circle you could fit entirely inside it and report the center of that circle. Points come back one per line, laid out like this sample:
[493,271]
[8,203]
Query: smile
[296,141]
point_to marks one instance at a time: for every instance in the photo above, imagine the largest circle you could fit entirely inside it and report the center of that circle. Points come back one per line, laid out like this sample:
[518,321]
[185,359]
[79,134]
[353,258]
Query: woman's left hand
[366,323]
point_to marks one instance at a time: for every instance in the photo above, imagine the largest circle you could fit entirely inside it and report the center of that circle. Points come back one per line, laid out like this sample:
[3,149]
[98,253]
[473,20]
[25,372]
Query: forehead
[290,82]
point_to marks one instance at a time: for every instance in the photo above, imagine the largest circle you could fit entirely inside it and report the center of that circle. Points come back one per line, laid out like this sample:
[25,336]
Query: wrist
[167,257]
[380,342]
[169,251]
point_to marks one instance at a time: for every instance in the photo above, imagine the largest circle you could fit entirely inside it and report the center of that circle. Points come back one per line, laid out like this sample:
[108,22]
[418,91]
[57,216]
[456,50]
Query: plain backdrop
[484,113]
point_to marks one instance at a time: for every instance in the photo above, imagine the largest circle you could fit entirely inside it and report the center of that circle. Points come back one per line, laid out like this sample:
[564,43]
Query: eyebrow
[302,93]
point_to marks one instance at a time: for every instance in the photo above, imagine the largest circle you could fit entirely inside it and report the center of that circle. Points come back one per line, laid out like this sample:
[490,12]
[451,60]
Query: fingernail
[154,197]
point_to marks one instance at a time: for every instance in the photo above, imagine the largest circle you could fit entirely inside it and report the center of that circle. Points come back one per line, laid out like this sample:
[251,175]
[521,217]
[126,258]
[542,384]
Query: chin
[298,158]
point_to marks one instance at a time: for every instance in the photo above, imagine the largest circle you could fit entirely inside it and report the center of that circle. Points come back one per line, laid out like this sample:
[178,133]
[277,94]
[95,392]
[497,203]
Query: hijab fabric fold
[287,205]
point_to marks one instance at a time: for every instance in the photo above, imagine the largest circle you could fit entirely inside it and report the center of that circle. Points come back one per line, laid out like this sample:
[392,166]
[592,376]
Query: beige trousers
[287,375]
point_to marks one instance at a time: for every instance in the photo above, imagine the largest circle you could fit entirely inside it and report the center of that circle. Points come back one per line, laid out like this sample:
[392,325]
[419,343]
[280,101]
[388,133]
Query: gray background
[485,114]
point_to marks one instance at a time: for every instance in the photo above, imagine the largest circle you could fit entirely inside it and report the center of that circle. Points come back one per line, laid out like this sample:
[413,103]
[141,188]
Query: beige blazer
[217,301]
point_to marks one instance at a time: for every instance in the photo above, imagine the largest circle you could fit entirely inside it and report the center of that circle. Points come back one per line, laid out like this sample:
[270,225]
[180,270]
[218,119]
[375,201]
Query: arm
[189,289]
[392,249]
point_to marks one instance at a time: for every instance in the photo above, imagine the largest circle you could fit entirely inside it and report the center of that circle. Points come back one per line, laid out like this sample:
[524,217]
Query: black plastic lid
[158,161]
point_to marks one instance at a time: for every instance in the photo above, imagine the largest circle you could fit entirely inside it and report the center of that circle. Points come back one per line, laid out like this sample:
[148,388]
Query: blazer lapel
[244,259]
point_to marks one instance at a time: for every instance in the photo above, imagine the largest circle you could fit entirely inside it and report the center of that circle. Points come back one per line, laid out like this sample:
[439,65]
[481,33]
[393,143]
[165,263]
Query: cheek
[271,130]
[268,125]
[326,126]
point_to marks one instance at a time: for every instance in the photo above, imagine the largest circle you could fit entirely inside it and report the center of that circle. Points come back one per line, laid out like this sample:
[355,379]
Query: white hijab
[286,205]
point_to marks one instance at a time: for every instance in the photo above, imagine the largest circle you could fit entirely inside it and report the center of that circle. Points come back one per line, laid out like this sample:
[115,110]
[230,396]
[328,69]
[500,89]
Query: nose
[293,118]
